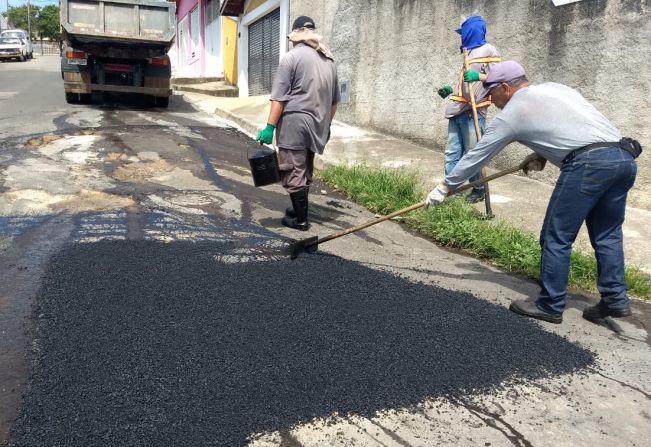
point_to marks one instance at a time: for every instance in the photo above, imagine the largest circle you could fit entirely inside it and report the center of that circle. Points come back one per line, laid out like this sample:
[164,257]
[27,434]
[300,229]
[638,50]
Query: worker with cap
[304,100]
[597,170]
[458,110]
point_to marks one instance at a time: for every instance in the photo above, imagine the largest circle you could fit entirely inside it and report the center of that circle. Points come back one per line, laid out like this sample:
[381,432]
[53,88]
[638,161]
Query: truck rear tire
[161,101]
[78,98]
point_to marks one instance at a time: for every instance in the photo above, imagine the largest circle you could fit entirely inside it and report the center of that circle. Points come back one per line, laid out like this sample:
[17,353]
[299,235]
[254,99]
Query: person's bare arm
[276,111]
[334,111]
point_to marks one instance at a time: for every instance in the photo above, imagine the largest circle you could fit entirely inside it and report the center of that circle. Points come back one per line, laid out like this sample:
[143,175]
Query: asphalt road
[146,298]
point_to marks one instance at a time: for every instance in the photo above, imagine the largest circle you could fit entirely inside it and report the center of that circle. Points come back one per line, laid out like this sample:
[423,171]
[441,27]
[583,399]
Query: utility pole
[29,22]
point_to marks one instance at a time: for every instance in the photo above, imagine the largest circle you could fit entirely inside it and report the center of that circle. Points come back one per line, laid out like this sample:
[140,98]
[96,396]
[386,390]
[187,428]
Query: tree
[48,23]
[17,16]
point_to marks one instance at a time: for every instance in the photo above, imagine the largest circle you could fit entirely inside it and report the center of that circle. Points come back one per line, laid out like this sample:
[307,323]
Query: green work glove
[266,135]
[471,76]
[445,91]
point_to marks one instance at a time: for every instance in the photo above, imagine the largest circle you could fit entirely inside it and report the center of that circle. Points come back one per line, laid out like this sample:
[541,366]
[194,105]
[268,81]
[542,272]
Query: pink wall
[183,8]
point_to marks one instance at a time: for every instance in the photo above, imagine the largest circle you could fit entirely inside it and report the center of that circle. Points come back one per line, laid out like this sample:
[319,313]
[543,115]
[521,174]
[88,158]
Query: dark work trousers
[592,187]
[296,168]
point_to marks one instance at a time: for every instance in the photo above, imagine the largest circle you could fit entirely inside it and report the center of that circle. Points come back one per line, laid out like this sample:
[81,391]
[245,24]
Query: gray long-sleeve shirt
[551,119]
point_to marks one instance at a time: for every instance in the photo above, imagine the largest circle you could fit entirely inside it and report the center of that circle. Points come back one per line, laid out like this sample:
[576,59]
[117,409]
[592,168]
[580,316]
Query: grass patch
[459,225]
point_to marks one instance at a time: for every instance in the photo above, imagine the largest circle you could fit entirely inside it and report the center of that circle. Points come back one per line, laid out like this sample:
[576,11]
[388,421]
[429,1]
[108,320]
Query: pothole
[141,171]
[31,201]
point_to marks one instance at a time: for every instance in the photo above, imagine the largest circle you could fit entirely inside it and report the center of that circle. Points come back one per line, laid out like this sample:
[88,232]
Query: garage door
[264,51]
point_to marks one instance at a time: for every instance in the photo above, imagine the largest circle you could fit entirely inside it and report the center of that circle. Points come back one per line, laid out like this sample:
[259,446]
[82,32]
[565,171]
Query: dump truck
[117,46]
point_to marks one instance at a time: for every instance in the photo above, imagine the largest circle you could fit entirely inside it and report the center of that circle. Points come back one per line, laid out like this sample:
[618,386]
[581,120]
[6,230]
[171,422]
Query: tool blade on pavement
[309,245]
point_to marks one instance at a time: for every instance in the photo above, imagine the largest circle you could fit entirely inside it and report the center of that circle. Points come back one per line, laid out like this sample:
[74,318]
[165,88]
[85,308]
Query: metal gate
[264,52]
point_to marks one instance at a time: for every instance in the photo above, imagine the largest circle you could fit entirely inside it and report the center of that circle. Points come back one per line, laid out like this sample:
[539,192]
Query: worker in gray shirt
[597,170]
[304,100]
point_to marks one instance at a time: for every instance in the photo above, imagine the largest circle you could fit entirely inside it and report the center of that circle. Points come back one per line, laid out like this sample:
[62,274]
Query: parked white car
[22,35]
[13,48]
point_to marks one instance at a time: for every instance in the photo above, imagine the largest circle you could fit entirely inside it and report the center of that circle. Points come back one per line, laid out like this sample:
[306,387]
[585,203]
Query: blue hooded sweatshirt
[473,32]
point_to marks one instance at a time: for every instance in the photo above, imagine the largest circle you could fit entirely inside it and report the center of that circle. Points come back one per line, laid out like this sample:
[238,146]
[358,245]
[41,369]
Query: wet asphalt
[150,343]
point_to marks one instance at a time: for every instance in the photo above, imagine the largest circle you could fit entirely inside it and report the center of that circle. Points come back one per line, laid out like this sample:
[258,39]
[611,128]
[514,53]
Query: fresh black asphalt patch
[145,343]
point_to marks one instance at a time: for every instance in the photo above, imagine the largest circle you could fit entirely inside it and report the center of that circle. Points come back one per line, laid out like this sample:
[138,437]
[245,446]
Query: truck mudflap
[81,87]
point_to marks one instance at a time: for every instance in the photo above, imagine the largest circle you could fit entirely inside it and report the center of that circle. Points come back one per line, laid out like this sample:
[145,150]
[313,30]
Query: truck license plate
[75,61]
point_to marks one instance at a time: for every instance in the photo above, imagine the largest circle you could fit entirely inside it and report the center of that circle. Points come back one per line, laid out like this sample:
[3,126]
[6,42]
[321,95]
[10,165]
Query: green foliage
[17,16]
[48,23]
[45,21]
[381,191]
[459,225]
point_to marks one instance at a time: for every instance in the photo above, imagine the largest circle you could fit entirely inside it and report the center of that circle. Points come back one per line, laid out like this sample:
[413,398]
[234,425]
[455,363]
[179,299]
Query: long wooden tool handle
[487,197]
[415,206]
[471,92]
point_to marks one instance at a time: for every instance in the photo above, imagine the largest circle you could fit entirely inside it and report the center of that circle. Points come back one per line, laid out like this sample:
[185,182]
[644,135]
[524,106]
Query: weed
[459,225]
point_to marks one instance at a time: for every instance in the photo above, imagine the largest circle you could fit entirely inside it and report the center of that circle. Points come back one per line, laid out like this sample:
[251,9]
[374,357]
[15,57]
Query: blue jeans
[592,188]
[462,138]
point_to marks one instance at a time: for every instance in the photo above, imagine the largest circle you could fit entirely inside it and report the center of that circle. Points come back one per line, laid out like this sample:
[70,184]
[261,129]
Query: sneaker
[476,195]
[601,311]
[530,309]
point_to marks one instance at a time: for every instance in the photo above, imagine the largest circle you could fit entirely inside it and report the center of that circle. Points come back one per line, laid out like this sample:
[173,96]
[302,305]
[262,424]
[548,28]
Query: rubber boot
[300,206]
[289,211]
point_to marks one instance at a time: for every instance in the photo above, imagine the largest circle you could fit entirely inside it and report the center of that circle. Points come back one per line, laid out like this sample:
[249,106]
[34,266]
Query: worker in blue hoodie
[458,110]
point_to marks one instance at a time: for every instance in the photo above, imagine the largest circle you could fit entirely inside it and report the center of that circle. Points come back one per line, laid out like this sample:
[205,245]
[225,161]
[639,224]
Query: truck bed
[123,22]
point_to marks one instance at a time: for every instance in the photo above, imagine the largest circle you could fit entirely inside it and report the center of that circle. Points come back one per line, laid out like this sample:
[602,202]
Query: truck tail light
[75,55]
[164,60]
[120,68]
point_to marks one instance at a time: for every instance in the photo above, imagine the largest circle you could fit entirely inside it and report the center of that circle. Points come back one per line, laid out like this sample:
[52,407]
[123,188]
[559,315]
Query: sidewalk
[517,199]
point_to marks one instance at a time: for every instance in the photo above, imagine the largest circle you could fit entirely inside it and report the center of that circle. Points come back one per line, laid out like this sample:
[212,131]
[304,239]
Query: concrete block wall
[397,53]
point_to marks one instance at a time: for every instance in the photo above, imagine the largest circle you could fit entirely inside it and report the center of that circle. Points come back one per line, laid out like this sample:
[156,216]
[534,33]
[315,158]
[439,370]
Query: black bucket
[264,165]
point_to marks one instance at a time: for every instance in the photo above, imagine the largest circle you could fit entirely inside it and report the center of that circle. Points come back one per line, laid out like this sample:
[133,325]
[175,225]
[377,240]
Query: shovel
[311,244]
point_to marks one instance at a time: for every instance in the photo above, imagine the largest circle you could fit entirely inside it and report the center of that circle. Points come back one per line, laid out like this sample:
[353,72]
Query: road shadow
[132,101]
[176,344]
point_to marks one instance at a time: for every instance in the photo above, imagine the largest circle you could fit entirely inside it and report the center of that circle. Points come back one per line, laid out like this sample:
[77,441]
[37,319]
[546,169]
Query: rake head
[308,245]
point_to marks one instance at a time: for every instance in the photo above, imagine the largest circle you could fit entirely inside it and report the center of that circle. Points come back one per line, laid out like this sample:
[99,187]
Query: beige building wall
[252,5]
[397,53]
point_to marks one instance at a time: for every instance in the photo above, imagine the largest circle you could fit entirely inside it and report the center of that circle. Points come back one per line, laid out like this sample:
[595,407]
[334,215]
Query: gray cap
[503,72]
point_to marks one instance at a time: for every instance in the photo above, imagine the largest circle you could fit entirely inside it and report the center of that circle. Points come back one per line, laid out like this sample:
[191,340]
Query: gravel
[145,343]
